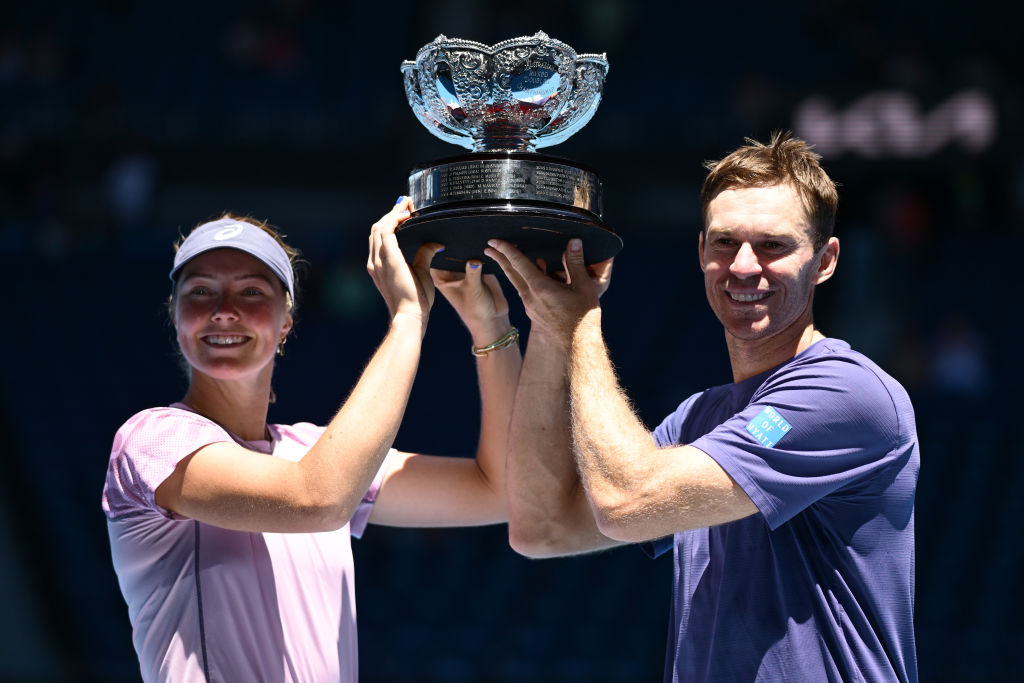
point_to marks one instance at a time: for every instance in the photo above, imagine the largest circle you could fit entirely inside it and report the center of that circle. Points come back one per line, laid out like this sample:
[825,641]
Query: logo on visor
[768,427]
[229,232]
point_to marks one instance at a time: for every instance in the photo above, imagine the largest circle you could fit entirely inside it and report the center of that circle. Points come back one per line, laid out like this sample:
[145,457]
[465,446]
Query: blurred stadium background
[123,122]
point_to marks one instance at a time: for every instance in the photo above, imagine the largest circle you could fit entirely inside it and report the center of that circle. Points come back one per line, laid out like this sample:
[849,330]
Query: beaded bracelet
[508,340]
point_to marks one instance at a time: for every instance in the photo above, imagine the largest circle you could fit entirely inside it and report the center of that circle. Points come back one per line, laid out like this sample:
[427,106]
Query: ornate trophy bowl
[504,102]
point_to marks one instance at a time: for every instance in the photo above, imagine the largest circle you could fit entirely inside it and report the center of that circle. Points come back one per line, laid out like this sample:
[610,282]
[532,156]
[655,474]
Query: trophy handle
[444,128]
[588,87]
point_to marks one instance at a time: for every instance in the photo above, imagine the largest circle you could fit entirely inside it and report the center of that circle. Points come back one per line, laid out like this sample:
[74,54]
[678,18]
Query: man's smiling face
[759,262]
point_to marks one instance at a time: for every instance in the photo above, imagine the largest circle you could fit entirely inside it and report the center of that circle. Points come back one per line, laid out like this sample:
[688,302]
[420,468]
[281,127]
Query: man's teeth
[749,297]
[225,340]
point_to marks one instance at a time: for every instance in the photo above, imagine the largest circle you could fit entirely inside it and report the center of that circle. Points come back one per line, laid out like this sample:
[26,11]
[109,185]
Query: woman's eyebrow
[258,276]
[244,276]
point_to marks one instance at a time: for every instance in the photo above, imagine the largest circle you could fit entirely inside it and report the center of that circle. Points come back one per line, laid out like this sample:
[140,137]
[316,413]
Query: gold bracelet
[508,340]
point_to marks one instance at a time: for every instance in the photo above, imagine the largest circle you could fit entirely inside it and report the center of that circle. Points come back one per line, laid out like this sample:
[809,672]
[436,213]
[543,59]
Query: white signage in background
[890,124]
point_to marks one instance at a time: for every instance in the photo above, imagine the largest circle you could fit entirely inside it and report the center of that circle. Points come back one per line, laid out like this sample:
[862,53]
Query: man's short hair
[785,159]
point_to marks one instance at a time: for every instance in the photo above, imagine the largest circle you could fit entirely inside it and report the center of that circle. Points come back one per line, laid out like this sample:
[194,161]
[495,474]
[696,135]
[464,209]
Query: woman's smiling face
[230,312]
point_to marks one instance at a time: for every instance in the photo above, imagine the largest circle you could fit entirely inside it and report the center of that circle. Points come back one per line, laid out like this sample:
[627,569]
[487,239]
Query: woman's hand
[407,290]
[478,300]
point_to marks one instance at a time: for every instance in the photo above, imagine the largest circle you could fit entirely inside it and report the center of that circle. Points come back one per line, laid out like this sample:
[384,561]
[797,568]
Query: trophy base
[540,231]
[537,202]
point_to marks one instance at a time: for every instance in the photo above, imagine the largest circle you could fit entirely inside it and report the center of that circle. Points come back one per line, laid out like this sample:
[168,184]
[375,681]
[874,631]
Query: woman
[229,535]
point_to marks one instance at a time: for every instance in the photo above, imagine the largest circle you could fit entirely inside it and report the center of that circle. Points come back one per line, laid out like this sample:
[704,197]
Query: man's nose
[745,263]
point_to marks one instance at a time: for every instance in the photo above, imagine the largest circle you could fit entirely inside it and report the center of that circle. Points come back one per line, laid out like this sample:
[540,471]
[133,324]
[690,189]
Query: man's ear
[829,259]
[700,249]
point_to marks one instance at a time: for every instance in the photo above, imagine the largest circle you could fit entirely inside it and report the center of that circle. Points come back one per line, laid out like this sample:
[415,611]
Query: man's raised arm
[548,510]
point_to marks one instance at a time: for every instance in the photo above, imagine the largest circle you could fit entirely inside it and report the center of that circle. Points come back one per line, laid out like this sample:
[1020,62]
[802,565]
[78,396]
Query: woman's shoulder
[146,449]
[166,425]
[163,416]
[305,433]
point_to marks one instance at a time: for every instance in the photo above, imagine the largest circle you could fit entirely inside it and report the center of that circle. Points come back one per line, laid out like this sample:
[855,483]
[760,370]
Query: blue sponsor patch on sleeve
[768,427]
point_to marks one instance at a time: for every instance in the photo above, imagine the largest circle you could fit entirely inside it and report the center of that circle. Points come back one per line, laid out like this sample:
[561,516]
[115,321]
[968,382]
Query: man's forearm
[611,441]
[548,514]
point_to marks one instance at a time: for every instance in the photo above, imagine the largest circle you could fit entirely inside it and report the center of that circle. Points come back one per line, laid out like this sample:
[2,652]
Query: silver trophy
[503,102]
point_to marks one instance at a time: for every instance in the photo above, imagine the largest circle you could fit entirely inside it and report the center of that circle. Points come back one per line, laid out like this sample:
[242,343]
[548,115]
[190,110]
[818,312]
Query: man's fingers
[514,257]
[572,261]
[601,274]
[602,269]
[497,251]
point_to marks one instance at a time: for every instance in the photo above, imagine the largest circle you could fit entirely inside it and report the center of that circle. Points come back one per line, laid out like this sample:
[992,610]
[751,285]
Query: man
[787,495]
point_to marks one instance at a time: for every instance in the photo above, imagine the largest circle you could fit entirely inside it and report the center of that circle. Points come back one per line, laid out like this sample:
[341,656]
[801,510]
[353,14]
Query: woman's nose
[224,310]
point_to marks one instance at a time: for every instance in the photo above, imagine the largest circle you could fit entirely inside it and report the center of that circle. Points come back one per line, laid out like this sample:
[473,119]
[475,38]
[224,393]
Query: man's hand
[553,304]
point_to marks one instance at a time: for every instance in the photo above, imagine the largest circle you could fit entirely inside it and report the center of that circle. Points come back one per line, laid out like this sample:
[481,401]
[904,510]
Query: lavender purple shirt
[211,604]
[819,585]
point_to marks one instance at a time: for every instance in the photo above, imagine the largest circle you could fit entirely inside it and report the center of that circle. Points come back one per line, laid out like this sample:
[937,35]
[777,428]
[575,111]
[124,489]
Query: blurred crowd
[123,122]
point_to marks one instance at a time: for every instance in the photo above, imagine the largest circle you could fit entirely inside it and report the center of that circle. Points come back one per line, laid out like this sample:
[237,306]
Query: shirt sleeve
[812,430]
[146,450]
[361,517]
[667,434]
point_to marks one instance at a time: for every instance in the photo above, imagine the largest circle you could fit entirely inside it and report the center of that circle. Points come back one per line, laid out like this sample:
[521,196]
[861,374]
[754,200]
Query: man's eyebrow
[762,234]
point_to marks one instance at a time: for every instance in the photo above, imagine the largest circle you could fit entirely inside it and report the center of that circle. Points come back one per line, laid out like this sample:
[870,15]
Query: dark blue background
[123,122]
